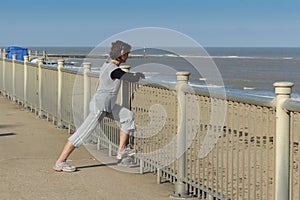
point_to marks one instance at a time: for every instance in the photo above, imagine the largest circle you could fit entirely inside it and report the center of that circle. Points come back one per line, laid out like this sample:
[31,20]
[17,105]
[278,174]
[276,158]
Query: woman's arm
[127,76]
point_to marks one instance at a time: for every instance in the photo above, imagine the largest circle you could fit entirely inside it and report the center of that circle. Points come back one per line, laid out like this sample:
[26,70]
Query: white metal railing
[245,141]
[294,156]
[254,153]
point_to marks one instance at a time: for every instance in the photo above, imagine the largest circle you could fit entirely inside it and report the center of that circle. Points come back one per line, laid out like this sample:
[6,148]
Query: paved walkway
[28,150]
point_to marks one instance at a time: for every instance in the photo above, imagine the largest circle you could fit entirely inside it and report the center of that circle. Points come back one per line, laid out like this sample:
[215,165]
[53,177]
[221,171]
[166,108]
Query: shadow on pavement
[92,166]
[6,134]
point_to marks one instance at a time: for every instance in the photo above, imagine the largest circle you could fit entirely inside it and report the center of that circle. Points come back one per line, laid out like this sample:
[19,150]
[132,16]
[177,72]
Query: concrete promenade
[28,150]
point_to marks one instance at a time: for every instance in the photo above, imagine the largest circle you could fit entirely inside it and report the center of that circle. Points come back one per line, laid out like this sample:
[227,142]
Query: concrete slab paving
[28,149]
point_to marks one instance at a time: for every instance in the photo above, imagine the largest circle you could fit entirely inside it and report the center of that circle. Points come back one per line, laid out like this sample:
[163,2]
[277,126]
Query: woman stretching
[104,104]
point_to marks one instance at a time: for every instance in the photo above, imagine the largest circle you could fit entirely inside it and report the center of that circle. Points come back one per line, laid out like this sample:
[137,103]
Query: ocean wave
[288,58]
[205,86]
[249,88]
[296,98]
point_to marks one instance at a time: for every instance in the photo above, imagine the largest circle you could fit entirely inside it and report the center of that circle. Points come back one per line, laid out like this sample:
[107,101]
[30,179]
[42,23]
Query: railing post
[283,92]
[86,88]
[180,187]
[40,112]
[45,55]
[60,65]
[125,89]
[2,53]
[4,56]
[26,60]
[29,54]
[14,56]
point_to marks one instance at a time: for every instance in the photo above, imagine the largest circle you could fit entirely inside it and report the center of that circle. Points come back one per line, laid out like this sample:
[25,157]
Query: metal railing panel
[156,143]
[32,86]
[49,91]
[294,160]
[19,80]
[9,78]
[2,78]
[68,93]
[240,166]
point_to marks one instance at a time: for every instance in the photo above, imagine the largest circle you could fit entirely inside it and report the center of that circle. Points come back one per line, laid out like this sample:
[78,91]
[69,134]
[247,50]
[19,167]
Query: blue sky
[242,23]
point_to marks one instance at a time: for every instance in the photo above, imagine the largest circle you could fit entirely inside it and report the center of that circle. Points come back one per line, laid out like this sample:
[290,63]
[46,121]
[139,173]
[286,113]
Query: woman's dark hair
[119,48]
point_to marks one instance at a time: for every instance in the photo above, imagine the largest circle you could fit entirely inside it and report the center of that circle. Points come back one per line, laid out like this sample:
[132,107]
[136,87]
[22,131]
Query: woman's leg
[126,119]
[84,131]
[68,149]
[124,139]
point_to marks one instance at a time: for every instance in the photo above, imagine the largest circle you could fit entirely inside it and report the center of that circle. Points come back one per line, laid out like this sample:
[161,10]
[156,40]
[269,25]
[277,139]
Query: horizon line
[74,46]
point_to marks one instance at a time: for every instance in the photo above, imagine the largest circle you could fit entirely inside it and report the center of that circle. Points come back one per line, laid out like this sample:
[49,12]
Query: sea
[247,70]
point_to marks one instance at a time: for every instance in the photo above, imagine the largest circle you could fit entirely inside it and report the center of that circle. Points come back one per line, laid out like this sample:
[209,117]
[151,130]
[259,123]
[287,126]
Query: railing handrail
[232,96]
[214,93]
[291,105]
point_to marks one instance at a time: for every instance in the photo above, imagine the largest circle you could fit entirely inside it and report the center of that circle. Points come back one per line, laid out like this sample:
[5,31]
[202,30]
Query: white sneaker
[125,153]
[64,167]
[128,162]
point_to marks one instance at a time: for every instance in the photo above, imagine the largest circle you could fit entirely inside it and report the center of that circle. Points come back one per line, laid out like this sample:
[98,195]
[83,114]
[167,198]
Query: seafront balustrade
[210,145]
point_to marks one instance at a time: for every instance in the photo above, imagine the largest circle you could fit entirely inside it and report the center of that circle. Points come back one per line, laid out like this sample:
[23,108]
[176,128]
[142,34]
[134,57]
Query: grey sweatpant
[119,113]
